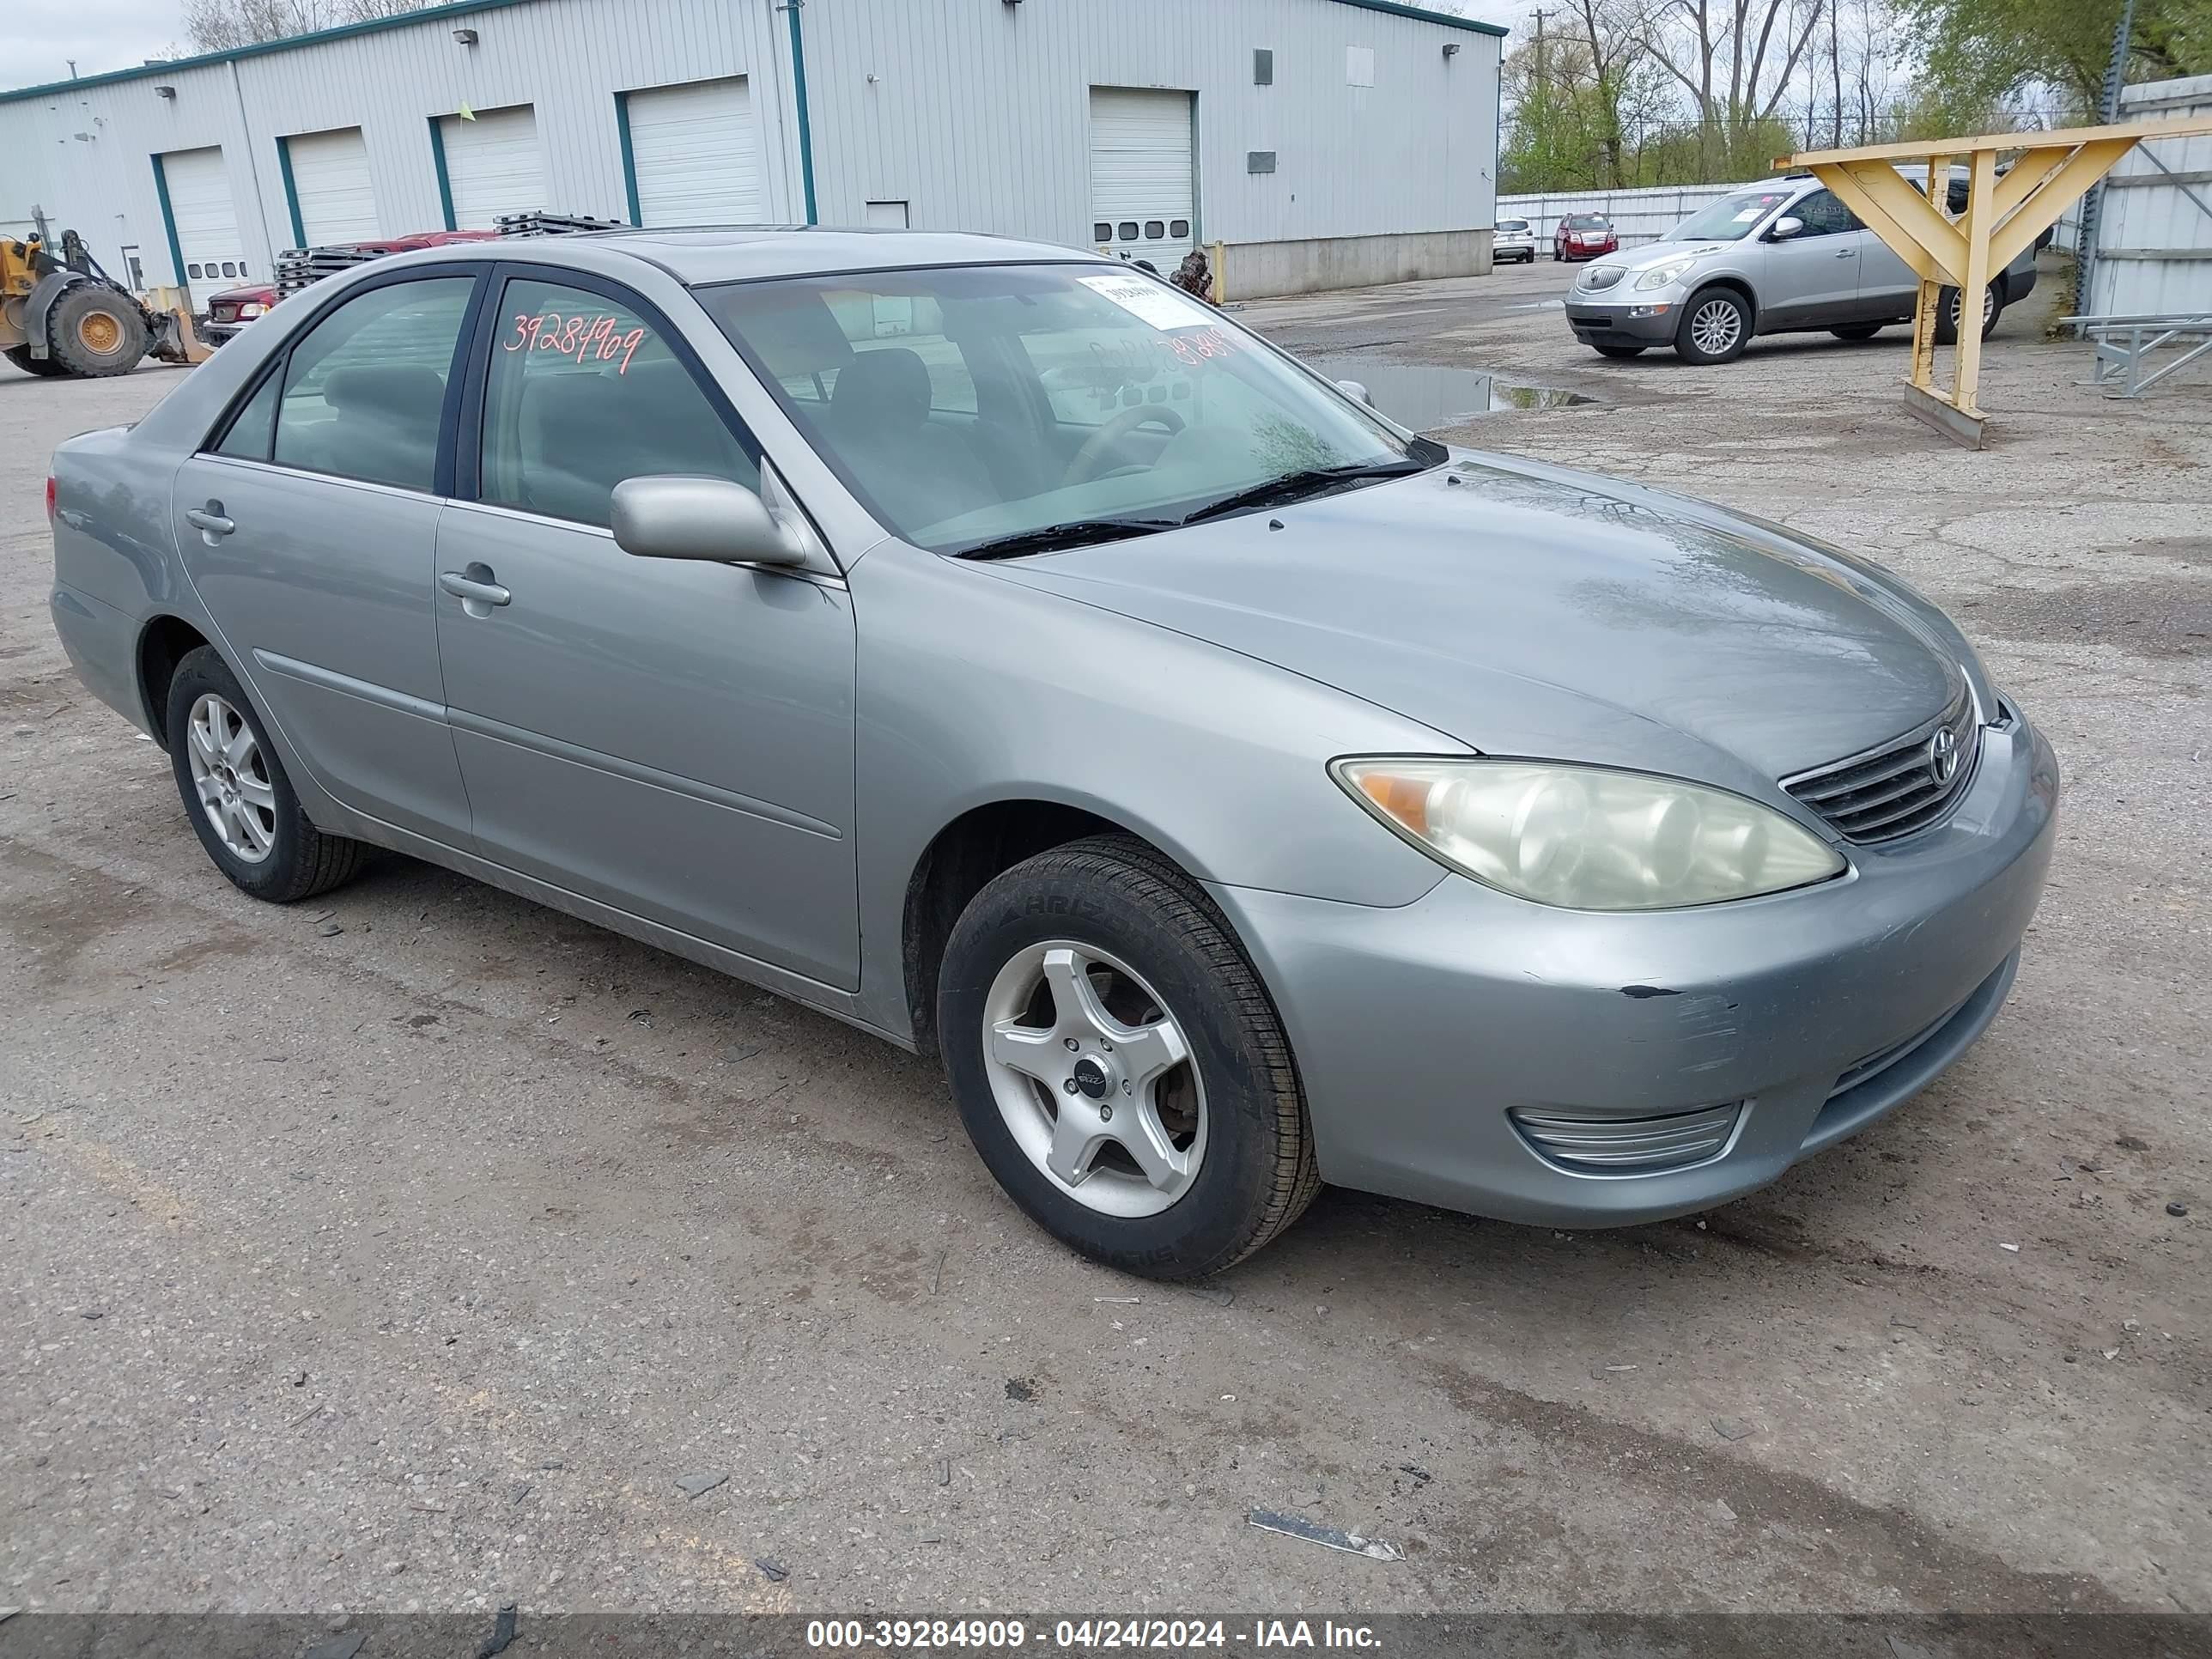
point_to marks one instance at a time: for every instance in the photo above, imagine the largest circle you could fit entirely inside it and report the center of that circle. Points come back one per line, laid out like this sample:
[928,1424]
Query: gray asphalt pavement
[408,1248]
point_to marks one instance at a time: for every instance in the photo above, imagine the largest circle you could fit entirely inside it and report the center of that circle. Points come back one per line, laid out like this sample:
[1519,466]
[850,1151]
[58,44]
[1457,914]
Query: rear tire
[93,331]
[1183,1167]
[1620,350]
[1716,326]
[240,803]
[1858,331]
[44,368]
[1947,315]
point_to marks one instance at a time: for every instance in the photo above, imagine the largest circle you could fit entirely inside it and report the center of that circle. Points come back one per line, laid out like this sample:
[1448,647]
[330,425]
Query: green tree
[1977,53]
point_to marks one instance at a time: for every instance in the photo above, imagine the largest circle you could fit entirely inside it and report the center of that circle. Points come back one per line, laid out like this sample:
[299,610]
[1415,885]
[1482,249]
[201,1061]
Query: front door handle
[1848,253]
[475,588]
[209,521]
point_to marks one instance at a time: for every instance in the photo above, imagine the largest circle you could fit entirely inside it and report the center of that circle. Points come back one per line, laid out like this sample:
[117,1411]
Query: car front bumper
[1418,1031]
[1617,322]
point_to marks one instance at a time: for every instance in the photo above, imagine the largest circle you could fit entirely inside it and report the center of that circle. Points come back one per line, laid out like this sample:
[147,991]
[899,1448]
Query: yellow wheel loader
[61,314]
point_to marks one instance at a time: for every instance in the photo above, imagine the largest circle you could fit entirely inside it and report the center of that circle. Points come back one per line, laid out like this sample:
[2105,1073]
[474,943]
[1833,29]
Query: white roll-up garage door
[330,187]
[693,154]
[1142,176]
[204,218]
[493,165]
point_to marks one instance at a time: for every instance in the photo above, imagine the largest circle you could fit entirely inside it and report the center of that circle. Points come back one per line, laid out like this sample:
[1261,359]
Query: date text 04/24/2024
[1094,1634]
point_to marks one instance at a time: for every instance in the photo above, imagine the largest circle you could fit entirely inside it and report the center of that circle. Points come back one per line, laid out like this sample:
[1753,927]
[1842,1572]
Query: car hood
[1643,257]
[1532,610]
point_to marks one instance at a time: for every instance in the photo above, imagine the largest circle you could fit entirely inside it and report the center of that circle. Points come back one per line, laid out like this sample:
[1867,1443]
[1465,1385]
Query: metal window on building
[1263,67]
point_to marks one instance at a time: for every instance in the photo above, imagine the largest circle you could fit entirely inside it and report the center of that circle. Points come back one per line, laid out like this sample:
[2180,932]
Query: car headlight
[1662,275]
[250,310]
[1585,837]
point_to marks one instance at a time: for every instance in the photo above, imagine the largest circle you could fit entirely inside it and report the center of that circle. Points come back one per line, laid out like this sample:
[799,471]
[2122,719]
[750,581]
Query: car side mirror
[1785,228]
[673,517]
[1355,391]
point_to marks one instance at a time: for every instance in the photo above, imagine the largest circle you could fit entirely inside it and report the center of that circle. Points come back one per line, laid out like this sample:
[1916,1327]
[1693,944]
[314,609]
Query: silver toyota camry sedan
[996,648]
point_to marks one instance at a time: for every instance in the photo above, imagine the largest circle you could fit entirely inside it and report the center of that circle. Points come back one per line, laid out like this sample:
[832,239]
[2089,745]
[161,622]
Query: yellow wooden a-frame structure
[2051,171]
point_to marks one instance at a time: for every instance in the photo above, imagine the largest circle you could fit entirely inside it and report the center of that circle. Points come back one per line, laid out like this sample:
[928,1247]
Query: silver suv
[1774,259]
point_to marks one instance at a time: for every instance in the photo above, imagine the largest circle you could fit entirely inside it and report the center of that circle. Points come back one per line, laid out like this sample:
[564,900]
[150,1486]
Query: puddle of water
[1422,396]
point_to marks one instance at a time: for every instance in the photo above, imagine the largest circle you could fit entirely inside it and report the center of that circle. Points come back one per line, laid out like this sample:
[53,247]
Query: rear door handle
[474,588]
[1848,253]
[209,521]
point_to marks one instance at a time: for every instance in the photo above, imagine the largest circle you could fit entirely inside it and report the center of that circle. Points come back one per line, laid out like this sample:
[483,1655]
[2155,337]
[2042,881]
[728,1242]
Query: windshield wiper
[1295,486]
[1077,532]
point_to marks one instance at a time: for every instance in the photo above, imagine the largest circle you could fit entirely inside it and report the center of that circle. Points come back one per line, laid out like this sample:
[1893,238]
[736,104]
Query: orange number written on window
[585,337]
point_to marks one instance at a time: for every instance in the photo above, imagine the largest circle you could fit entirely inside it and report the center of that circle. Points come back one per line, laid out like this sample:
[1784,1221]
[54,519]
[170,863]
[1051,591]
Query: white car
[1514,238]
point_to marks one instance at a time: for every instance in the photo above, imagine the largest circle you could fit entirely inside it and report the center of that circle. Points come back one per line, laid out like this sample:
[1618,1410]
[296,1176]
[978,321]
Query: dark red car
[1584,236]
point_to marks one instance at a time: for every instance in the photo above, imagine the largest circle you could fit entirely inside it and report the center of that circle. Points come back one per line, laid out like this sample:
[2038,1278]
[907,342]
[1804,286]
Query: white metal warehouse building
[1326,143]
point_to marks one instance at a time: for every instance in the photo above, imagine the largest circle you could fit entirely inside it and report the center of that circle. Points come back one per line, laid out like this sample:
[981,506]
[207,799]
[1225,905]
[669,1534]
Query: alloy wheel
[232,780]
[1095,1078]
[1715,328]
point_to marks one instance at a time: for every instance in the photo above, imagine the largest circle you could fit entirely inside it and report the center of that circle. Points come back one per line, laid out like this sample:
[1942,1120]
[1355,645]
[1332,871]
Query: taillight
[50,497]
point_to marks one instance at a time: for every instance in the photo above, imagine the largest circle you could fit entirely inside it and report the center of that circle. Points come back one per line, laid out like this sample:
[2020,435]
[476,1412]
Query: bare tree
[218,25]
[1734,57]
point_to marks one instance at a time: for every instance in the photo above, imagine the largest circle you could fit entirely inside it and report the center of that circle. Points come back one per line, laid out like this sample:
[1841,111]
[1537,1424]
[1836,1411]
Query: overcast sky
[37,38]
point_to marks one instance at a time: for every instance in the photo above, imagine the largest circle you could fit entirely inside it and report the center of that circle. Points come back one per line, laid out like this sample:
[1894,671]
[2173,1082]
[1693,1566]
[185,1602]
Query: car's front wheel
[1716,326]
[241,805]
[1118,1065]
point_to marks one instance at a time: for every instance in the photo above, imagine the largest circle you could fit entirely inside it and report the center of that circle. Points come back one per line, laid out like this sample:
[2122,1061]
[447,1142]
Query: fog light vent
[1631,1146]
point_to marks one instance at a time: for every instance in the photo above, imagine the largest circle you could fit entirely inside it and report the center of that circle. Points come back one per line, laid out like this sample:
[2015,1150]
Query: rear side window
[365,388]
[585,392]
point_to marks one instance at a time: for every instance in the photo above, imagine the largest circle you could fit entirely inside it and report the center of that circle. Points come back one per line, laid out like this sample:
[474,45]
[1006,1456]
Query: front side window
[365,388]
[584,393]
[1090,394]
[1824,215]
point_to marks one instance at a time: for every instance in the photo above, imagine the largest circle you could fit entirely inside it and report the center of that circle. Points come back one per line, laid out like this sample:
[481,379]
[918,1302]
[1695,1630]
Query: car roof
[704,254]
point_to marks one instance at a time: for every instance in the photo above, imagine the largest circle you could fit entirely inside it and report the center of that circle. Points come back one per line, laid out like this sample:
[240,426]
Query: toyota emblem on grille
[1943,756]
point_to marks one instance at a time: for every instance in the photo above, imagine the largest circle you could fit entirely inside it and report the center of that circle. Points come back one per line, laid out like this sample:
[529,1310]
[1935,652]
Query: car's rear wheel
[1857,331]
[1118,1064]
[1947,315]
[1620,350]
[1716,326]
[241,805]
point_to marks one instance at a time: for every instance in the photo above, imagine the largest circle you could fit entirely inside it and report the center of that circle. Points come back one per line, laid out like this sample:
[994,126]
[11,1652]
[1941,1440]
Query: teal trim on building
[169,223]
[291,42]
[628,158]
[1470,25]
[798,93]
[291,190]
[438,160]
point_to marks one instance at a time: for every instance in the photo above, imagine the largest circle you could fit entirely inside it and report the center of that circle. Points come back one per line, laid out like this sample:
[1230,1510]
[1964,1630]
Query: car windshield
[1729,220]
[1587,222]
[1513,224]
[979,404]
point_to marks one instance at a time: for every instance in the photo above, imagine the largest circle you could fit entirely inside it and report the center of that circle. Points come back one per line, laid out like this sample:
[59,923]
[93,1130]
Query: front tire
[240,803]
[94,332]
[1716,326]
[1119,1065]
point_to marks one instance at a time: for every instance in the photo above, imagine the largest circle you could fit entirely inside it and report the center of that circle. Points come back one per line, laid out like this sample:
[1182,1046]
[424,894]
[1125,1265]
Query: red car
[1584,236]
[232,309]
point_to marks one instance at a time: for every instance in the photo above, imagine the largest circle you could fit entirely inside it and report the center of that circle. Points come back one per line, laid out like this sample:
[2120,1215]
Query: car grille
[1634,1146]
[1602,276]
[1902,787]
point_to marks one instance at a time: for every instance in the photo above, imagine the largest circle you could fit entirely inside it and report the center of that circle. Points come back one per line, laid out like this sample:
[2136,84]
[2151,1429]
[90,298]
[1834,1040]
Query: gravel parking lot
[406,1249]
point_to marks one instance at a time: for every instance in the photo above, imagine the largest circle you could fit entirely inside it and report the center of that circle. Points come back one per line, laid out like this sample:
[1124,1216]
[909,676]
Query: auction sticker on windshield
[1152,303]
